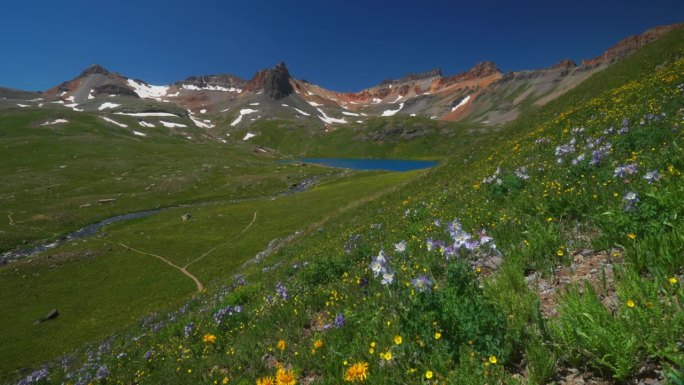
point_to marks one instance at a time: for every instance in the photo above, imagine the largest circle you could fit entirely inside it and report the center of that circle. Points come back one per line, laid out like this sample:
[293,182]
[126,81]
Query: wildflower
[377,266]
[438,335]
[224,381]
[631,236]
[429,374]
[318,344]
[493,360]
[622,171]
[430,244]
[226,312]
[521,172]
[630,303]
[672,280]
[339,320]
[422,283]
[483,237]
[285,377]
[629,200]
[652,176]
[187,329]
[209,338]
[560,252]
[148,355]
[281,291]
[281,345]
[358,372]
[266,381]
[400,247]
[398,339]
[102,373]
[387,356]
[35,377]
[387,277]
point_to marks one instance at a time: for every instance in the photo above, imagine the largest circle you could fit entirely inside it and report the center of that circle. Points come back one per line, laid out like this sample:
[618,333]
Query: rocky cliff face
[631,44]
[220,80]
[275,82]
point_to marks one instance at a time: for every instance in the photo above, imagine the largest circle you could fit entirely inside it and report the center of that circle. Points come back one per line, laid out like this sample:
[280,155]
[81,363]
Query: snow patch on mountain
[147,91]
[315,104]
[244,111]
[392,112]
[145,124]
[147,114]
[210,88]
[106,105]
[138,133]
[171,124]
[461,103]
[248,136]
[350,113]
[56,121]
[112,121]
[328,119]
[301,112]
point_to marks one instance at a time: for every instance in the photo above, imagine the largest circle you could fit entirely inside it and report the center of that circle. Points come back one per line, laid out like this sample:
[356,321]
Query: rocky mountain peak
[436,72]
[275,82]
[483,69]
[95,69]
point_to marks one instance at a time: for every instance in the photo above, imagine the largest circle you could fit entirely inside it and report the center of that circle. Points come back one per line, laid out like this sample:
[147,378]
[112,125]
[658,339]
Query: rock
[494,262]
[274,81]
[186,216]
[52,314]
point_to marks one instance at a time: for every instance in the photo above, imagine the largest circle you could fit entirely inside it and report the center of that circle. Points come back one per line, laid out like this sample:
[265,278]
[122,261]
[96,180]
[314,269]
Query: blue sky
[342,45]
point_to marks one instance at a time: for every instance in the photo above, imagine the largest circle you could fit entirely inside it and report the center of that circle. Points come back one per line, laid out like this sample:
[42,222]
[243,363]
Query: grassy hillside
[553,249]
[396,137]
[53,176]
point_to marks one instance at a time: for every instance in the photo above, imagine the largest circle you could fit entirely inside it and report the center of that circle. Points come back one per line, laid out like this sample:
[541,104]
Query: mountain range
[482,94]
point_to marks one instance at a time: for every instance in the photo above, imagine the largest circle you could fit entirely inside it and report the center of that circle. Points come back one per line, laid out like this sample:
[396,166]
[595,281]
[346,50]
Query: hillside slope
[550,252]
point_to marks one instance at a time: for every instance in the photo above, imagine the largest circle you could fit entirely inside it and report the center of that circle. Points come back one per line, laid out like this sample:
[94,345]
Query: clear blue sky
[343,45]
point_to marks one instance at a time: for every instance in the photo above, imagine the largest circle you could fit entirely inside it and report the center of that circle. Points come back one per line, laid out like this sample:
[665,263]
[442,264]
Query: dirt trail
[223,243]
[200,286]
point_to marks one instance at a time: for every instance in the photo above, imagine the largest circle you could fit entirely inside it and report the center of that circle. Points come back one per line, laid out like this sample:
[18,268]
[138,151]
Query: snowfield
[112,121]
[461,104]
[243,112]
[392,112]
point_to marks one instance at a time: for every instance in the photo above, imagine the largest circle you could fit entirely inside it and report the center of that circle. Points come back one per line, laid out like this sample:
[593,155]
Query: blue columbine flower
[422,283]
[400,247]
[387,277]
[630,200]
[339,320]
[652,176]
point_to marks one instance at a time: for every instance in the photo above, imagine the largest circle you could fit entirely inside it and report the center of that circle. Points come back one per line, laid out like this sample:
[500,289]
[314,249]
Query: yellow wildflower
[630,303]
[493,359]
[387,356]
[438,335]
[318,344]
[398,339]
[209,338]
[265,381]
[631,236]
[281,345]
[285,377]
[672,280]
[429,374]
[357,372]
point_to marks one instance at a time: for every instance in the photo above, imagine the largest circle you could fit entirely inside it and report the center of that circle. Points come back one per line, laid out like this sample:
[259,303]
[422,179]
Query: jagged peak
[436,72]
[95,69]
[483,69]
[274,81]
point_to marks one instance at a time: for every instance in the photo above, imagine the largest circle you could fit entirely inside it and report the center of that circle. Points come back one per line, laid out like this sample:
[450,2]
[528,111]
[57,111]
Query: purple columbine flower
[148,355]
[422,283]
[339,320]
[577,160]
[630,200]
[38,375]
[430,244]
[378,263]
[387,277]
[281,291]
[484,238]
[521,172]
[102,373]
[471,244]
[652,176]
[188,329]
[622,171]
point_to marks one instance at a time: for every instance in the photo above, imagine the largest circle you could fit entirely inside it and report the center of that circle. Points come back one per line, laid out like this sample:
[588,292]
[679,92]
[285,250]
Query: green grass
[98,286]
[469,324]
[48,173]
